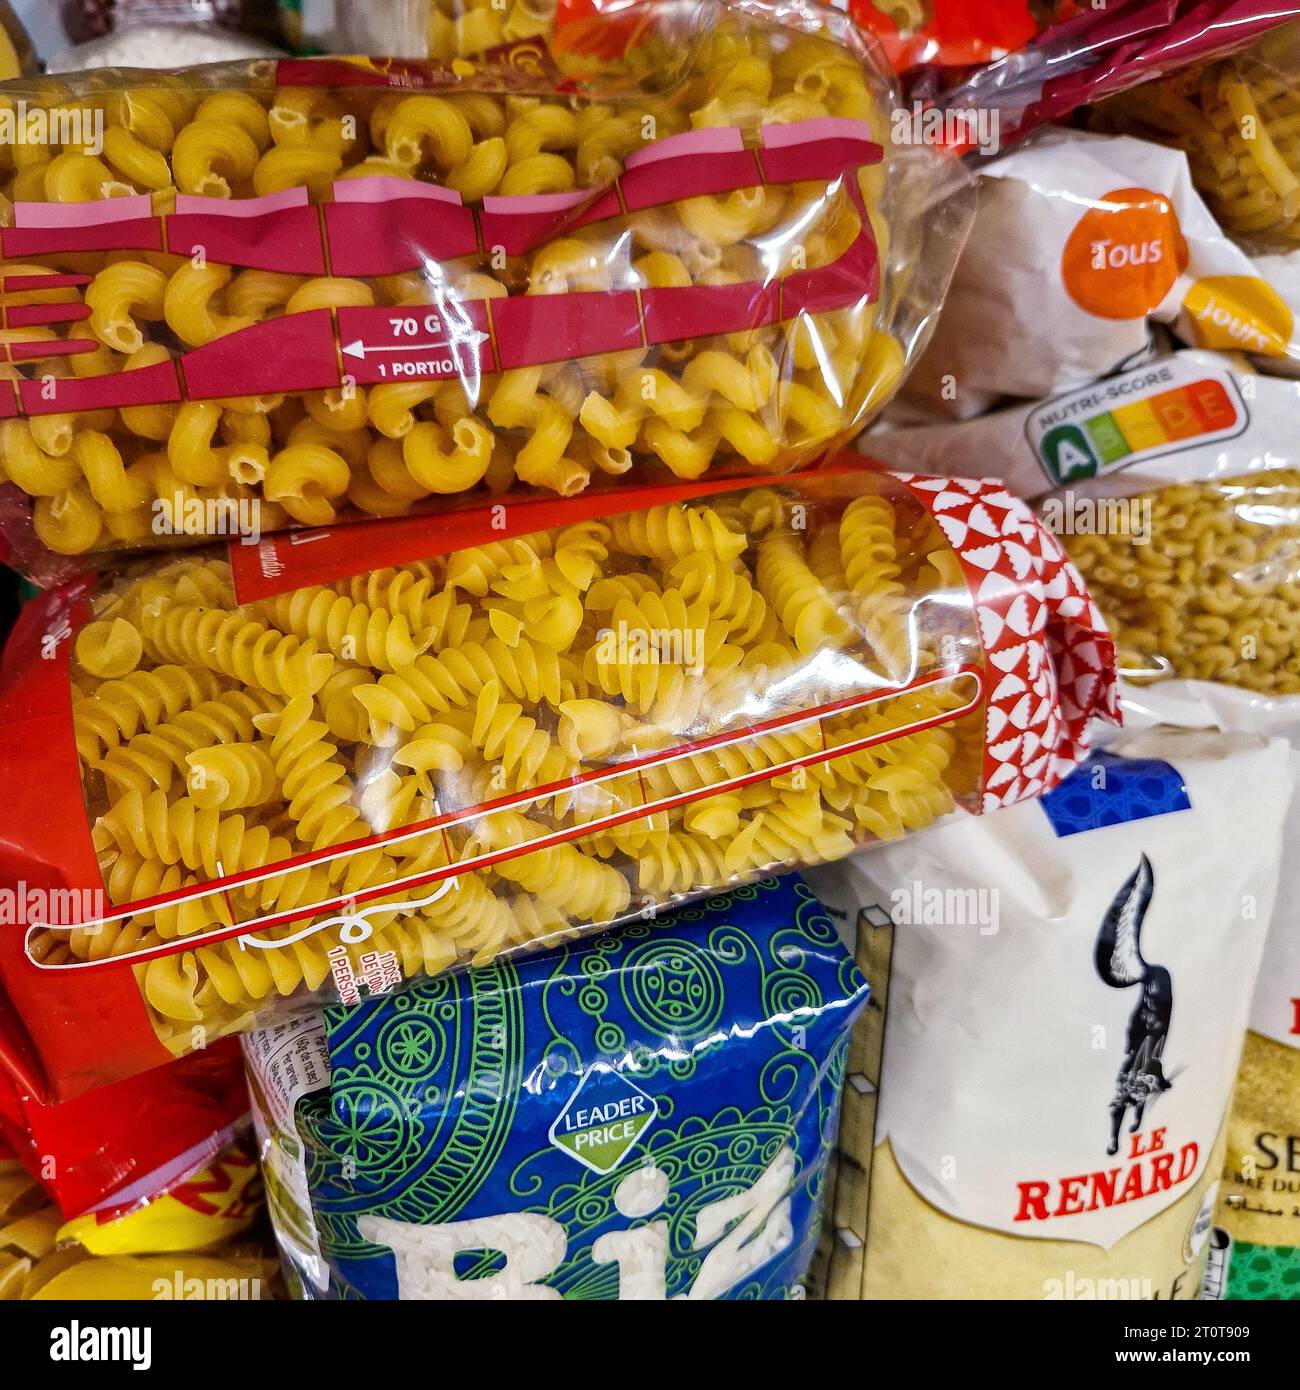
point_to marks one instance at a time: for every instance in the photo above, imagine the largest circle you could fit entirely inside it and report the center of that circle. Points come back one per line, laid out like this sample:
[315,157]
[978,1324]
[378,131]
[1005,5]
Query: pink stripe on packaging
[522,222]
[528,204]
[816,130]
[698,311]
[389,238]
[18,284]
[284,239]
[386,188]
[51,347]
[854,278]
[711,140]
[93,214]
[156,385]
[138,234]
[555,327]
[652,183]
[293,353]
[190,203]
[822,163]
[25,315]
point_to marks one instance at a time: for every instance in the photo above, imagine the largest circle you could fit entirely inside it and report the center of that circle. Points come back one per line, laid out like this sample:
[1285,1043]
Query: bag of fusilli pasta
[256,780]
[1175,487]
[246,297]
[1038,1108]
[645,1115]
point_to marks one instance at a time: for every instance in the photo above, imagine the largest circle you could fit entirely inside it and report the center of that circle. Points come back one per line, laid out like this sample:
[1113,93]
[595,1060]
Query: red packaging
[105,1144]
[1101,51]
[947,33]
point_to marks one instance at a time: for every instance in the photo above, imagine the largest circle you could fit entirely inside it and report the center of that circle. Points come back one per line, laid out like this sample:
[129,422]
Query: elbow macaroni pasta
[216,737]
[1212,590]
[769,398]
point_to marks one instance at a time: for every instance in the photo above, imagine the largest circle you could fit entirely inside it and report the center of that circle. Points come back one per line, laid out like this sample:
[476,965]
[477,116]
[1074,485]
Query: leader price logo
[603,1121]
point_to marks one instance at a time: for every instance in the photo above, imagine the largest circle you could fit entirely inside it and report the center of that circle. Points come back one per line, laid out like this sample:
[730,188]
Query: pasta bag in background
[1237,119]
[1096,50]
[442,29]
[187,1238]
[308,773]
[1082,243]
[1069,986]
[642,1115]
[1259,1200]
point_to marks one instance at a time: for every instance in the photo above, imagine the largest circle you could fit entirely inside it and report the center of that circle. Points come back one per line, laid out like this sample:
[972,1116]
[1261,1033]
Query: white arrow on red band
[359,348]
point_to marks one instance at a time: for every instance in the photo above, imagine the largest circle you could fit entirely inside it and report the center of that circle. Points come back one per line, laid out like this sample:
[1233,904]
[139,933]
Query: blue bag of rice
[645,1114]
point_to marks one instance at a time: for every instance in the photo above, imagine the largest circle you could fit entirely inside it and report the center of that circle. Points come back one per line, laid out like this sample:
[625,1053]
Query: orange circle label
[1239,313]
[1125,254]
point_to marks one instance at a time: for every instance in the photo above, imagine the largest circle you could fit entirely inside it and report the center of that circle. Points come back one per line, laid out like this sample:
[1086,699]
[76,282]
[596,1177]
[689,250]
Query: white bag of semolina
[1069,985]
[1259,1199]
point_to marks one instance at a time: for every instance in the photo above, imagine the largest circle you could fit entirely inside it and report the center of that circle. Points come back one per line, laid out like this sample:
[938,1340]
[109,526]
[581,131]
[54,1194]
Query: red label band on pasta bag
[386,226]
[956,33]
[805,717]
[363,288]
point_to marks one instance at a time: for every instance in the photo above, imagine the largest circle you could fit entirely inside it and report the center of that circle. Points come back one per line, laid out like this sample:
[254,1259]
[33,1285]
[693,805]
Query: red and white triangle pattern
[1049,660]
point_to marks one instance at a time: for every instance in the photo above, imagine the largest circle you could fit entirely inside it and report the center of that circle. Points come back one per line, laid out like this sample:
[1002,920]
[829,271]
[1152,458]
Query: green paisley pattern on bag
[730,1015]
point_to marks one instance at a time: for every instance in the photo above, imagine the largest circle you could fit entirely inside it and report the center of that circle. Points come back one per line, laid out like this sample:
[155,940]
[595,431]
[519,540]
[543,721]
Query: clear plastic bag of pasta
[1200,584]
[1237,118]
[1175,488]
[952,33]
[261,780]
[1096,52]
[254,296]
[1179,501]
[444,29]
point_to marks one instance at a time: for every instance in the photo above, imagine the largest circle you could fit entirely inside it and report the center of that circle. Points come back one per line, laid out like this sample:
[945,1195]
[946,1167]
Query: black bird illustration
[1120,964]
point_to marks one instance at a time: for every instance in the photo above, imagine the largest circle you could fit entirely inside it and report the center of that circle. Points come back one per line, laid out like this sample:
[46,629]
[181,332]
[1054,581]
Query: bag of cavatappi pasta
[1068,989]
[252,782]
[1175,487]
[252,296]
[643,1115]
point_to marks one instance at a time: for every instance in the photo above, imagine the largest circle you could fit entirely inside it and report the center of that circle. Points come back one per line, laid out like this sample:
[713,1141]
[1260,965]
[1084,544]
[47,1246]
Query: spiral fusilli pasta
[569,715]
